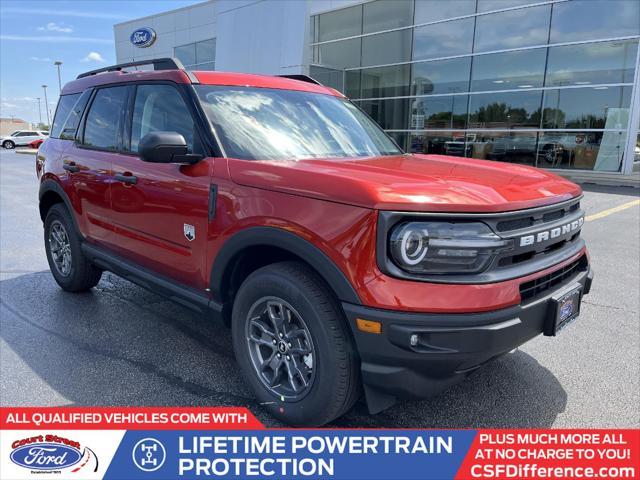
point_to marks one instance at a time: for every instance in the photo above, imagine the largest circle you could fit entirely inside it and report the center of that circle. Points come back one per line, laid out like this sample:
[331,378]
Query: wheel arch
[52,193]
[255,247]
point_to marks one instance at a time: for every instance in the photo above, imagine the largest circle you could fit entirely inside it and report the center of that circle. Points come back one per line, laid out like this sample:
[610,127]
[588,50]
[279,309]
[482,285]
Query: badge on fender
[189,232]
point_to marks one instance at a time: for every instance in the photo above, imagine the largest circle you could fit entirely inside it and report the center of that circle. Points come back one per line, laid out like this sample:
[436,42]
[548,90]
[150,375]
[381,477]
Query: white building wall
[262,36]
[173,29]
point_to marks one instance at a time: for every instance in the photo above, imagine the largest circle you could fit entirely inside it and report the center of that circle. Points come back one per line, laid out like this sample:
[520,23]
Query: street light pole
[46,105]
[57,63]
[39,111]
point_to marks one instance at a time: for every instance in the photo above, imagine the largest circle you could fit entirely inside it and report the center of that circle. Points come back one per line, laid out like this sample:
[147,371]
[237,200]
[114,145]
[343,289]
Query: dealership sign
[143,37]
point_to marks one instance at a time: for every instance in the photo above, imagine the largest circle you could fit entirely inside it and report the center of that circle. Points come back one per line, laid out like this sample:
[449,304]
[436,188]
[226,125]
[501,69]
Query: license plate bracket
[564,309]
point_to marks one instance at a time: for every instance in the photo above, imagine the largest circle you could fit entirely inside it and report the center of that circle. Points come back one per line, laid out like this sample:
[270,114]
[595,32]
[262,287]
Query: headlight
[444,247]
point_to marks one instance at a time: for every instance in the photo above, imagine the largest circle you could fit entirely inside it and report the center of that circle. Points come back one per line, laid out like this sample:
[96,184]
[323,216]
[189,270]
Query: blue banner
[288,454]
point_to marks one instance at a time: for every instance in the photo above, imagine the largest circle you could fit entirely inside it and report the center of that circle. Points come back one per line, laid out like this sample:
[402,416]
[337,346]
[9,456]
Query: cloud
[40,59]
[94,57]
[55,27]
[8,105]
[53,39]
[66,13]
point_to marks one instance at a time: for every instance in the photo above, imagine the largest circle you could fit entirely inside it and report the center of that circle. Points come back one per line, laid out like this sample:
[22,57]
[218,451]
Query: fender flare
[50,185]
[276,237]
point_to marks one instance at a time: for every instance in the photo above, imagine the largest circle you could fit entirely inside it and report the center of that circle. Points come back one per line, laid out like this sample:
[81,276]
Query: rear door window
[104,121]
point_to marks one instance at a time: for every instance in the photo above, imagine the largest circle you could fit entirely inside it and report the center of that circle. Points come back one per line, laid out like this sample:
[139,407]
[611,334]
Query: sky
[79,33]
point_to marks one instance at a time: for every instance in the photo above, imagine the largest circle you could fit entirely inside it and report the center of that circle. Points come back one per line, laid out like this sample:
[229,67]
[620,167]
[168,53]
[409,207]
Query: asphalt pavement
[121,345]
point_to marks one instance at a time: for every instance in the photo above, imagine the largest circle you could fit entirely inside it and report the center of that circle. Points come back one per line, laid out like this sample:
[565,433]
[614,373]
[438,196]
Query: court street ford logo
[45,456]
[143,37]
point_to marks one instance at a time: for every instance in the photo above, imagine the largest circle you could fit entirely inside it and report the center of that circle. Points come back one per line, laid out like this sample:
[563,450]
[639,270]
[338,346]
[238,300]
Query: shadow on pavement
[121,345]
[627,191]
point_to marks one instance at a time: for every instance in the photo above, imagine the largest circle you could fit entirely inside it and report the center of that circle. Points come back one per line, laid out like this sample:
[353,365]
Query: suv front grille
[518,225]
[540,286]
[528,220]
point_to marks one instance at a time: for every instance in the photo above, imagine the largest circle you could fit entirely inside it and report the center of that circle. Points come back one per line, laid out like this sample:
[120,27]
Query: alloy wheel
[281,348]
[60,248]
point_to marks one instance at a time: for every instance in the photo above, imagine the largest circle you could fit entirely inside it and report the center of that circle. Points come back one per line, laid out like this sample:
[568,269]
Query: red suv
[342,264]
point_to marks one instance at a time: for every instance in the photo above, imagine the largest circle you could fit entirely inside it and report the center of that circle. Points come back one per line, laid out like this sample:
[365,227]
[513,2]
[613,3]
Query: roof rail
[300,77]
[158,64]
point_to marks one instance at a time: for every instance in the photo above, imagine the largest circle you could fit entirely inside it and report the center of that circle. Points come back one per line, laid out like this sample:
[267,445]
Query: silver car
[22,137]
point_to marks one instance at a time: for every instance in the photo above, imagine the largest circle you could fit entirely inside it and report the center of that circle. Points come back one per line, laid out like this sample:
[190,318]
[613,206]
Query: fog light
[413,340]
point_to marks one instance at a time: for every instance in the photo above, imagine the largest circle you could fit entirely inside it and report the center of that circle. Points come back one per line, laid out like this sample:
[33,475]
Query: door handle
[130,179]
[71,167]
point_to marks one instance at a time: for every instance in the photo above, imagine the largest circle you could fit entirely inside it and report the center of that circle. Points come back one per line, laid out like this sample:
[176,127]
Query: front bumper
[449,346]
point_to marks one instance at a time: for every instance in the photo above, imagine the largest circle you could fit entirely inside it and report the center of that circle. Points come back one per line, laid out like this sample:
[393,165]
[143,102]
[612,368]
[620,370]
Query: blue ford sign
[45,456]
[143,37]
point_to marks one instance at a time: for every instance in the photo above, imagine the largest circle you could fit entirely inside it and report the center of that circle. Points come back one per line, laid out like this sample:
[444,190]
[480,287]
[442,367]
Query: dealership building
[549,83]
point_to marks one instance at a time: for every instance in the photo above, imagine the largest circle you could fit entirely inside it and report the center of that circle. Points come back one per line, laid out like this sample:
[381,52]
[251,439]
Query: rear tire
[8,144]
[69,267]
[286,309]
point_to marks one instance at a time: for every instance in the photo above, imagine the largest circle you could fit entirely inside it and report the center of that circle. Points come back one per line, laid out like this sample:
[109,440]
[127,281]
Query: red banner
[523,454]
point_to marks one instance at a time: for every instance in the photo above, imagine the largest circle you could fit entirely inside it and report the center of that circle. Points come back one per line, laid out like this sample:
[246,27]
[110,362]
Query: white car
[22,137]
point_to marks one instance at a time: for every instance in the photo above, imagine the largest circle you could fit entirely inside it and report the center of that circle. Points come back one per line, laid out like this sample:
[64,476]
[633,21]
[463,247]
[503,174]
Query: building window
[509,70]
[342,23]
[428,11]
[592,63]
[344,54]
[512,29]
[443,39]
[592,19]
[385,81]
[490,5]
[197,56]
[441,76]
[385,48]
[598,107]
[439,112]
[389,114]
[386,15]
[505,110]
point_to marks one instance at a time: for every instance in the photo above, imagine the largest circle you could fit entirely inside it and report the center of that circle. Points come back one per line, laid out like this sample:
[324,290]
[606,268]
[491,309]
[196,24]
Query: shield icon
[189,232]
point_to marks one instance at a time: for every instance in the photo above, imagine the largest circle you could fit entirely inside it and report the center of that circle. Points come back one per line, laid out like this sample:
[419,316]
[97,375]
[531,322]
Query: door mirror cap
[166,147]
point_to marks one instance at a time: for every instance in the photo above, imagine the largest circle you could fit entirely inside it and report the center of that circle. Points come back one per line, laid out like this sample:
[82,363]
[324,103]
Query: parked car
[36,143]
[342,265]
[22,138]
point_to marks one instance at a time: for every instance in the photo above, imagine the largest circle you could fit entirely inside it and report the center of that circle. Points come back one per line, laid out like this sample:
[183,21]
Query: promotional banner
[169,443]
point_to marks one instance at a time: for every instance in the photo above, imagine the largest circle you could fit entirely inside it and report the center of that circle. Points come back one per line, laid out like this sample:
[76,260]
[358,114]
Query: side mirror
[166,147]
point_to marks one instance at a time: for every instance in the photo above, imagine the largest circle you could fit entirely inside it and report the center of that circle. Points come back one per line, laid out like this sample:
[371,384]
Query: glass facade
[545,83]
[197,56]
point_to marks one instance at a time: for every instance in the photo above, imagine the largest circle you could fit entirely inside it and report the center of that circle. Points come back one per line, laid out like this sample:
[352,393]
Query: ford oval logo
[45,456]
[143,37]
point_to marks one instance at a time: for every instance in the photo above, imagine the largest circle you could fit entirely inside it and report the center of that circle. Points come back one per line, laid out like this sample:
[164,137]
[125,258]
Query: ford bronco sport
[343,265]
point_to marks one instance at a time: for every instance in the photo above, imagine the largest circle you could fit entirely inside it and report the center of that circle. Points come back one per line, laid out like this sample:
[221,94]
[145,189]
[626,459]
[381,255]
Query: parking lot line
[609,211]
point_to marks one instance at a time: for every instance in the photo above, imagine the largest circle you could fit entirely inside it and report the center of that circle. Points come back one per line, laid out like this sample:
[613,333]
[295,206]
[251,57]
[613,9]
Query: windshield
[270,124]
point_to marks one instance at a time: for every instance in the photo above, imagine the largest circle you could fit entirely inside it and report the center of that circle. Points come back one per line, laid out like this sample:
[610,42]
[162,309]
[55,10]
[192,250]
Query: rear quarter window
[65,104]
[73,119]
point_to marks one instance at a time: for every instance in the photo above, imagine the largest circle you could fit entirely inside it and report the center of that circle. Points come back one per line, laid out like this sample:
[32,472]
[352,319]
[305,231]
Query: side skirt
[151,281]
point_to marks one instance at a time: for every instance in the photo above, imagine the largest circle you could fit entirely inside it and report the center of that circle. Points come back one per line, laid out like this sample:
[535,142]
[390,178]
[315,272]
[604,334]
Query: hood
[429,183]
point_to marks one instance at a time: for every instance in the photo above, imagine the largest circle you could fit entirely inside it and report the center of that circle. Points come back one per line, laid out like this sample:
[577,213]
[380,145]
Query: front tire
[293,345]
[8,144]
[68,265]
